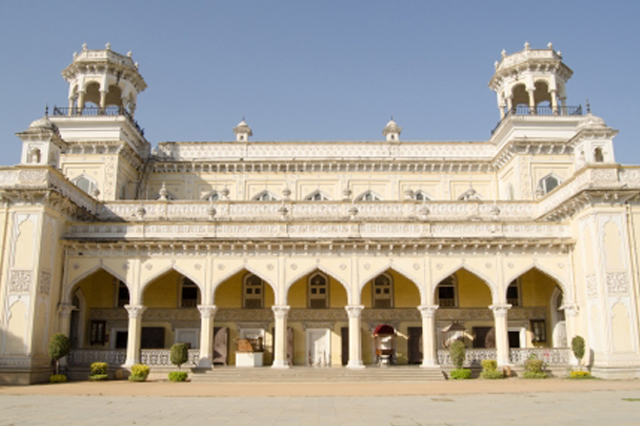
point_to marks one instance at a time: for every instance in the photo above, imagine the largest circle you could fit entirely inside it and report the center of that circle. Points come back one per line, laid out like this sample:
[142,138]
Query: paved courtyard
[605,403]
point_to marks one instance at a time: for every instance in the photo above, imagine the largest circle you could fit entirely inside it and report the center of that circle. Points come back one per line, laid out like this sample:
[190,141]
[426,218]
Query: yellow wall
[229,293]
[297,297]
[472,291]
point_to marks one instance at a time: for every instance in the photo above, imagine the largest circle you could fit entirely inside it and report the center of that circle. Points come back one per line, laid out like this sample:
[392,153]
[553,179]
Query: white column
[532,101]
[355,346]
[135,330]
[554,101]
[207,314]
[80,101]
[103,100]
[502,337]
[429,354]
[571,312]
[280,346]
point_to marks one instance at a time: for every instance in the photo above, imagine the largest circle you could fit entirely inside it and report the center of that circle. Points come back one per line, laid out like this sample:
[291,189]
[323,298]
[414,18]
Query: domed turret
[531,81]
[392,131]
[41,143]
[242,131]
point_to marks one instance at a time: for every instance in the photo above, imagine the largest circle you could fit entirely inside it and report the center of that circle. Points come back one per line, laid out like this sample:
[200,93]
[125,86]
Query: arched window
[382,292]
[548,183]
[122,294]
[469,195]
[598,156]
[86,184]
[211,196]
[35,156]
[318,291]
[188,294]
[316,196]
[513,293]
[265,196]
[447,293]
[368,196]
[421,196]
[252,292]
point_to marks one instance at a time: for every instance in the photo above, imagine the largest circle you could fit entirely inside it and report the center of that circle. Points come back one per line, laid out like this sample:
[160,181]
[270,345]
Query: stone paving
[616,403]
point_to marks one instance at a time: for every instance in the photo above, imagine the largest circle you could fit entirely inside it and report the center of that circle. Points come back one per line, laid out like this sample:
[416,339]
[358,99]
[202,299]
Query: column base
[429,364]
[355,364]
[205,363]
[279,364]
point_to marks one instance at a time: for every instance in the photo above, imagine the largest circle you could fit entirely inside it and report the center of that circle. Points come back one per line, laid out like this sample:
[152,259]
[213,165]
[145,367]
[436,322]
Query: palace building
[333,254]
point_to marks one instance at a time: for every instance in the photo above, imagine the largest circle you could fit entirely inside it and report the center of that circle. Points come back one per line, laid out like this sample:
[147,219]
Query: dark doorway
[345,345]
[220,345]
[483,337]
[415,345]
[121,339]
[152,338]
[514,339]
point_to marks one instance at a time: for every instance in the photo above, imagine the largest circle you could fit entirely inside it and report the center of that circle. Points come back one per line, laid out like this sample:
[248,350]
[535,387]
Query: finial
[527,46]
[503,53]
[588,107]
[129,53]
[391,117]
[84,46]
[550,45]
[75,55]
[107,46]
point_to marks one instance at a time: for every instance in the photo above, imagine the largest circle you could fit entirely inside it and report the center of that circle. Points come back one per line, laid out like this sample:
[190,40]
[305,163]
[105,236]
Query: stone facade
[524,240]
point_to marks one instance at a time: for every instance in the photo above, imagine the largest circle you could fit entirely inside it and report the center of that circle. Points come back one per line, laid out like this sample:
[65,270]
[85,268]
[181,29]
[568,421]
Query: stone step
[265,374]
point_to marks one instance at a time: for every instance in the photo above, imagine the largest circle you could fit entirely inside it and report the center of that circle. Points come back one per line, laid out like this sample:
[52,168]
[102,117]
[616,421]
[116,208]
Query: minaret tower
[242,131]
[104,79]
[526,79]
[392,131]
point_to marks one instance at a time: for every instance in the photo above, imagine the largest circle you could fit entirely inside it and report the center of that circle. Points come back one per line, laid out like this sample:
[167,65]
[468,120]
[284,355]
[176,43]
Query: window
[122,294]
[318,291]
[539,329]
[253,292]
[421,196]
[447,293]
[469,195]
[513,293]
[188,294]
[548,183]
[382,292]
[97,333]
[598,156]
[265,196]
[316,196]
[85,184]
[368,196]
[211,196]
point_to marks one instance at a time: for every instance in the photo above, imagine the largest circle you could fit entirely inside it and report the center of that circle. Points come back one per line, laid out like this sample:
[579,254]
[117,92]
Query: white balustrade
[551,356]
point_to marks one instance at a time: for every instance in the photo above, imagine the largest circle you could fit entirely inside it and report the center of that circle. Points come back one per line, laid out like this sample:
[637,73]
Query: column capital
[280,311]
[207,311]
[571,309]
[65,309]
[354,311]
[500,310]
[135,311]
[428,311]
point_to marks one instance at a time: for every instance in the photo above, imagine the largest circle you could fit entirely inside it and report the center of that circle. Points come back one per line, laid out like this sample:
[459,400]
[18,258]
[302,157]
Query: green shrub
[179,354]
[580,375]
[457,352]
[534,365]
[491,375]
[489,364]
[578,347]
[98,377]
[139,372]
[534,375]
[178,376]
[98,368]
[57,378]
[460,374]
[59,347]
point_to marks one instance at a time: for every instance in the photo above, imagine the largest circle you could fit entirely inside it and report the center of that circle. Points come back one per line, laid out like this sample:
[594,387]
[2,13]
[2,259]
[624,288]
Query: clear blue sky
[320,70]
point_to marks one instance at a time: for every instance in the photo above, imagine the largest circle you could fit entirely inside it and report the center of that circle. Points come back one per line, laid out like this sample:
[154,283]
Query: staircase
[316,375]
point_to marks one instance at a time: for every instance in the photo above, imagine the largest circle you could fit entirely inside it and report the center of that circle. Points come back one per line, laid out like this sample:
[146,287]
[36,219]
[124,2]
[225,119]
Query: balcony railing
[97,111]
[551,356]
[117,357]
[473,357]
[540,110]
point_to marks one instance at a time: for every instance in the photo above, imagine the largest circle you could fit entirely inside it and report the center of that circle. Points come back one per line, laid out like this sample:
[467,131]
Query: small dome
[591,121]
[43,123]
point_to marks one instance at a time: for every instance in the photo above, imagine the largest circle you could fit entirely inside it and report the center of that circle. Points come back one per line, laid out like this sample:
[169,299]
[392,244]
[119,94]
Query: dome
[591,121]
[44,124]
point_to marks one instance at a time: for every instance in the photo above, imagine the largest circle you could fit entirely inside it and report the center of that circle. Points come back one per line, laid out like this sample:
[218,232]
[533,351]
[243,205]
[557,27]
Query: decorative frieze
[44,283]
[592,286]
[20,281]
[617,283]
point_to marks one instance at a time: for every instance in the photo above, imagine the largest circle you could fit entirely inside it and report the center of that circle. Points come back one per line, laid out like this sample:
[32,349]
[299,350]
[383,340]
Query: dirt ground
[165,388]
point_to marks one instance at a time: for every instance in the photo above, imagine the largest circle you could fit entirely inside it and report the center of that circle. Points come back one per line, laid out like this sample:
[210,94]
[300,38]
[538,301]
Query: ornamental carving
[592,286]
[354,311]
[135,311]
[617,282]
[207,311]
[428,311]
[20,281]
[280,312]
[32,175]
[44,286]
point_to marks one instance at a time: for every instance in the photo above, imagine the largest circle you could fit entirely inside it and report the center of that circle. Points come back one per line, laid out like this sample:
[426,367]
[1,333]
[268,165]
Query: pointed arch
[566,289]
[173,267]
[311,270]
[68,290]
[484,278]
[212,195]
[265,195]
[549,182]
[234,271]
[421,195]
[368,195]
[317,195]
[396,269]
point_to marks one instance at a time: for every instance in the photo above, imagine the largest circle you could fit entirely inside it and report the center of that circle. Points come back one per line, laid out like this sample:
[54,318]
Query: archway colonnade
[354,277]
